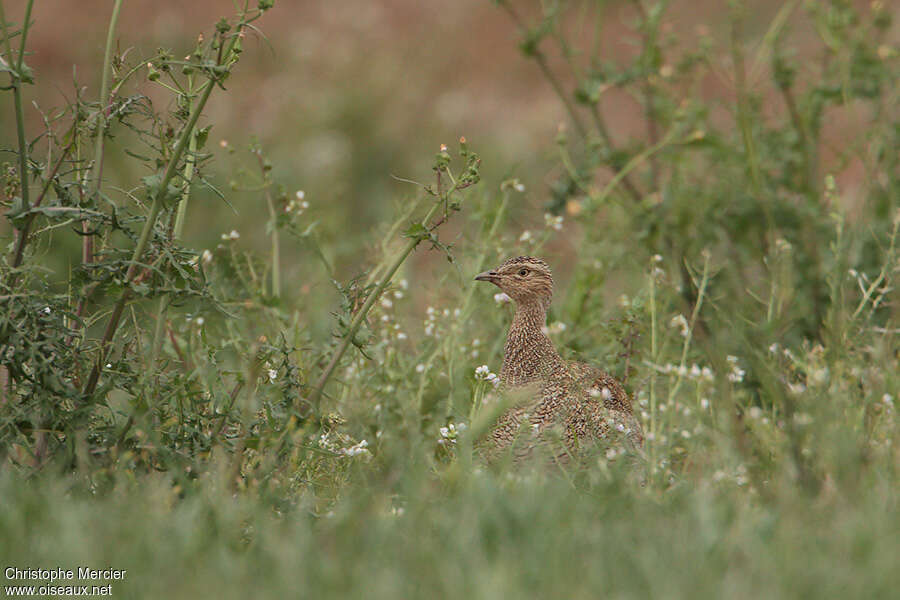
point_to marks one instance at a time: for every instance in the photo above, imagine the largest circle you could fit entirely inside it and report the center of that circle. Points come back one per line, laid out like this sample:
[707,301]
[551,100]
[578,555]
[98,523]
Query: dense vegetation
[193,416]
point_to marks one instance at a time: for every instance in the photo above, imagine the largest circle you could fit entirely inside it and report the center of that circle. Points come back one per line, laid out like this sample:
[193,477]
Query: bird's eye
[523,272]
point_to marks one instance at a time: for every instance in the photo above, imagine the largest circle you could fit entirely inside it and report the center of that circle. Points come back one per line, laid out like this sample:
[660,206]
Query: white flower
[526,236]
[704,403]
[685,434]
[501,298]
[300,195]
[206,257]
[420,368]
[199,321]
[796,388]
[681,322]
[755,412]
[357,449]
[386,303]
[46,310]
[773,348]
[553,222]
[401,336]
[273,375]
[519,186]
[657,258]
[233,235]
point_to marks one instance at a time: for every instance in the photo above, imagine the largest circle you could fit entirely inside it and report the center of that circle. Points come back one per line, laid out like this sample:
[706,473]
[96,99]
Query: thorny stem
[147,230]
[316,396]
[479,266]
[16,84]
[87,255]
[19,252]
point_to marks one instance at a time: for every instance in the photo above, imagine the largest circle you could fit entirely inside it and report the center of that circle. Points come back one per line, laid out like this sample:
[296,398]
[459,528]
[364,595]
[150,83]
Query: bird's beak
[488,276]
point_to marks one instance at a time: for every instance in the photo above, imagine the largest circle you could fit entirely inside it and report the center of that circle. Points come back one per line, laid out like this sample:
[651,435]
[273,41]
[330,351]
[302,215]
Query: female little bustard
[588,404]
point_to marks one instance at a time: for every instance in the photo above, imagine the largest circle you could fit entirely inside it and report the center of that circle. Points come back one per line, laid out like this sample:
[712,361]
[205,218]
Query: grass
[217,428]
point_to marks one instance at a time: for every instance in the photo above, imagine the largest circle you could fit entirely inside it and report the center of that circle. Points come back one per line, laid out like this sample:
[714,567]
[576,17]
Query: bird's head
[525,279]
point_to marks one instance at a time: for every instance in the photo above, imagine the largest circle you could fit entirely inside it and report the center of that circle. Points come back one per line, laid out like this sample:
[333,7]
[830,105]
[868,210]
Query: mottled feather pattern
[580,402]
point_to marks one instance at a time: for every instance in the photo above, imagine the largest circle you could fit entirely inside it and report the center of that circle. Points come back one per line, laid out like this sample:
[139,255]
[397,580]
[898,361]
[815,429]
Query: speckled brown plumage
[580,402]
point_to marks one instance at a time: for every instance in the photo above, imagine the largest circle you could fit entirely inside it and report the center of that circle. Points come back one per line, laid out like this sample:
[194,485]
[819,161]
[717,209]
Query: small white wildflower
[624,302]
[199,321]
[398,294]
[610,453]
[707,374]
[695,371]
[420,368]
[404,284]
[888,400]
[482,371]
[796,388]
[685,434]
[397,511]
[476,342]
[773,349]
[782,245]
[620,428]
[206,257]
[233,235]
[300,195]
[401,336]
[680,322]
[501,298]
[553,222]
[755,412]
[273,375]
[357,449]
[456,312]
[657,258]
[429,329]
[386,303]
[704,403]
[46,310]
[526,236]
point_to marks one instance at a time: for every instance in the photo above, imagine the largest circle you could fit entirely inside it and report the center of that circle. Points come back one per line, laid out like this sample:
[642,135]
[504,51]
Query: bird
[586,405]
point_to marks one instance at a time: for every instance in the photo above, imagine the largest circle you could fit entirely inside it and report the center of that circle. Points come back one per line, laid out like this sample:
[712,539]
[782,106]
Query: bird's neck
[529,353]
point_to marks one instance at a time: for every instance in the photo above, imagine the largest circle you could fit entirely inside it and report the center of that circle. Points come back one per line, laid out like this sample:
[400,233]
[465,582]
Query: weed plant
[175,411]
